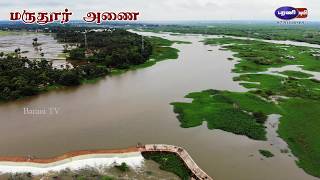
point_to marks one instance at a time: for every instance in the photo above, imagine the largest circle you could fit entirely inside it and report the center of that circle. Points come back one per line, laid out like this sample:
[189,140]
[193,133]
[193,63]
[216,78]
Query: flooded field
[122,110]
[51,49]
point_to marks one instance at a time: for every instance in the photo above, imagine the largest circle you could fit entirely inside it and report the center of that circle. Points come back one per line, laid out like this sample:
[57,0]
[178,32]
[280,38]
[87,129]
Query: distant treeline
[74,24]
[303,33]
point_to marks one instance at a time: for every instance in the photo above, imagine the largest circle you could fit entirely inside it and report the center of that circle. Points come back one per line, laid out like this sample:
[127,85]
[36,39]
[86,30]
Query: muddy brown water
[122,110]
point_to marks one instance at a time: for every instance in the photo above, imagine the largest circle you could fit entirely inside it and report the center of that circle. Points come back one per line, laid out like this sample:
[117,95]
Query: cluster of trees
[111,48]
[20,77]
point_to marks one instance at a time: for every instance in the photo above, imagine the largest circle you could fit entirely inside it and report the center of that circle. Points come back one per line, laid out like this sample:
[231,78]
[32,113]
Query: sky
[166,10]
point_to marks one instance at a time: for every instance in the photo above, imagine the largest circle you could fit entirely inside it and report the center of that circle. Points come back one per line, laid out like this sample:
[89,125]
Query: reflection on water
[121,110]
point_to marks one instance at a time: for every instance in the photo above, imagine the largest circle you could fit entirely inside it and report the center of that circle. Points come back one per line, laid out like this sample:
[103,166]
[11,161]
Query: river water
[122,110]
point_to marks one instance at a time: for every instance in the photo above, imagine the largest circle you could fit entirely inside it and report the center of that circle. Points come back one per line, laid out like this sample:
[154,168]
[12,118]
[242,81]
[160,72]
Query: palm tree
[17,52]
[35,42]
[65,48]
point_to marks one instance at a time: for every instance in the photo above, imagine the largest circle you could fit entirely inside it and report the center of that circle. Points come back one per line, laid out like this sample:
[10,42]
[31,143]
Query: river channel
[121,110]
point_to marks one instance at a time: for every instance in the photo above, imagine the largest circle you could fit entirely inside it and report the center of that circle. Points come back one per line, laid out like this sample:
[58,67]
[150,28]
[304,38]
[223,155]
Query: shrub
[260,117]
[123,167]
[69,79]
[266,153]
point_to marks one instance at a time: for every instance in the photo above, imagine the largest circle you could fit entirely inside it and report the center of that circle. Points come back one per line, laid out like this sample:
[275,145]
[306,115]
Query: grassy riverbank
[300,128]
[169,162]
[295,97]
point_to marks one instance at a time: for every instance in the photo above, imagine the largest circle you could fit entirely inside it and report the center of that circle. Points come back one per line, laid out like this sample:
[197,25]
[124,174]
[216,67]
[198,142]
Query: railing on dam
[197,172]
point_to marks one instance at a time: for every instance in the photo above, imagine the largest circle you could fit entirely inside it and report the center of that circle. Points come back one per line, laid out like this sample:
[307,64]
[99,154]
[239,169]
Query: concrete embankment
[80,159]
[197,172]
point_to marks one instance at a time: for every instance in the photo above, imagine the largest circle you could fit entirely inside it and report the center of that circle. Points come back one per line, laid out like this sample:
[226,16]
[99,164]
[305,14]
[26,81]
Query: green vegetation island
[292,94]
[266,153]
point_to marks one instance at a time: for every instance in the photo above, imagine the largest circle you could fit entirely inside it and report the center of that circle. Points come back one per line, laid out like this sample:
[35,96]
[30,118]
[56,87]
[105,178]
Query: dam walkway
[197,172]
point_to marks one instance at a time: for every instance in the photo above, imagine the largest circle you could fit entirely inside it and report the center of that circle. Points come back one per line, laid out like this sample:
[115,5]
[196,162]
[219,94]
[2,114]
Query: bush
[266,153]
[90,71]
[260,117]
[77,54]
[123,167]
[69,78]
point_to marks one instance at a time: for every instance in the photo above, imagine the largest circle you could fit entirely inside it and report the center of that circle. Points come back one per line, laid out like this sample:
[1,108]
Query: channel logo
[288,13]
